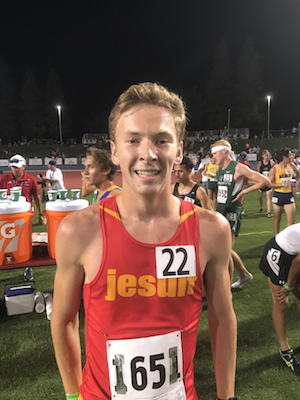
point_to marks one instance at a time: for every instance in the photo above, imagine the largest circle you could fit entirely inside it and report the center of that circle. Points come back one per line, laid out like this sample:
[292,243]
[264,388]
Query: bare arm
[67,294]
[259,180]
[221,317]
[49,179]
[201,195]
[38,203]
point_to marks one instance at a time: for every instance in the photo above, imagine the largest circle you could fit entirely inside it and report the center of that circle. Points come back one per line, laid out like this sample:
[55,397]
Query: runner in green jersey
[230,178]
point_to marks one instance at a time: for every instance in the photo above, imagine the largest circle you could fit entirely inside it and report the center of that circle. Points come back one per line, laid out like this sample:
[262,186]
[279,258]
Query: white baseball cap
[17,161]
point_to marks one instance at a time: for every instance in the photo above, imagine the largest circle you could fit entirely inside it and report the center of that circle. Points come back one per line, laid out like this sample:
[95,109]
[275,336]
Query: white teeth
[147,173]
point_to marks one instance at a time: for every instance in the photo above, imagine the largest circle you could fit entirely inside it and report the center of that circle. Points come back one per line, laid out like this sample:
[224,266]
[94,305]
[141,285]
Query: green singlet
[228,189]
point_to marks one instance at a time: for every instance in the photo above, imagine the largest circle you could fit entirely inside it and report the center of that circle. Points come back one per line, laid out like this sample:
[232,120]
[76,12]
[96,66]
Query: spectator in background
[63,156]
[18,177]
[54,176]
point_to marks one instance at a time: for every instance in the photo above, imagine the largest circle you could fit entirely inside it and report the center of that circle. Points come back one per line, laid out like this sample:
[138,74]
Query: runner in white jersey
[280,262]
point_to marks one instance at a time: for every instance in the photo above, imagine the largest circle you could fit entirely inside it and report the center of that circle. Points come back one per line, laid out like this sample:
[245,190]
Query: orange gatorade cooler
[56,211]
[15,232]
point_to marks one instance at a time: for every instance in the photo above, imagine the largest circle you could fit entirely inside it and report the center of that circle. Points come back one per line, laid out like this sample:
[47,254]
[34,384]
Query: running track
[72,178]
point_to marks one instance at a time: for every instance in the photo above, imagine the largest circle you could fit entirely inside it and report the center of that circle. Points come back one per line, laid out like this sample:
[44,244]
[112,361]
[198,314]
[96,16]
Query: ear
[114,153]
[179,154]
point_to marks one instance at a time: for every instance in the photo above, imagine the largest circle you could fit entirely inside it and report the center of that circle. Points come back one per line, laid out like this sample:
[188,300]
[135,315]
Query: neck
[104,185]
[188,183]
[226,162]
[146,206]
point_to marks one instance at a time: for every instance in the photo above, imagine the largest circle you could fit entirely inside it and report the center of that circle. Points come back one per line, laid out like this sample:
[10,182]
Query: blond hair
[221,142]
[148,93]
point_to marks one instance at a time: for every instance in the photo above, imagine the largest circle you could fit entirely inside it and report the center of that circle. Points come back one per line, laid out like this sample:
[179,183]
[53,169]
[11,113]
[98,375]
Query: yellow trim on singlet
[283,173]
[187,215]
[117,216]
[113,187]
[110,212]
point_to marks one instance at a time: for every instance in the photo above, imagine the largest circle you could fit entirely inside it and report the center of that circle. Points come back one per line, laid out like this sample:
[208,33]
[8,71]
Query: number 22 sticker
[175,261]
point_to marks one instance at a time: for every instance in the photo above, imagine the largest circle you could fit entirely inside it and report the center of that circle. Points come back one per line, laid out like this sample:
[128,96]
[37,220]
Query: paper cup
[3,194]
[14,194]
[17,189]
[63,194]
[52,195]
[75,194]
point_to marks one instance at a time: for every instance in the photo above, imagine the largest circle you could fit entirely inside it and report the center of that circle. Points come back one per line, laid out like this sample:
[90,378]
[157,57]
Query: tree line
[31,112]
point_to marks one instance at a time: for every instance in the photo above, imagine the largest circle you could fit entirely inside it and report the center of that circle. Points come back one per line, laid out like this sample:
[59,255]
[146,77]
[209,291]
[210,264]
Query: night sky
[99,48]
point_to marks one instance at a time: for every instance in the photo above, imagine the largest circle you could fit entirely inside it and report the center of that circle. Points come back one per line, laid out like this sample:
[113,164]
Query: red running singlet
[142,313]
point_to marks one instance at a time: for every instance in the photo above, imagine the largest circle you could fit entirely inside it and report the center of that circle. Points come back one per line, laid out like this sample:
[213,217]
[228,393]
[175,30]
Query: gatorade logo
[9,235]
[8,230]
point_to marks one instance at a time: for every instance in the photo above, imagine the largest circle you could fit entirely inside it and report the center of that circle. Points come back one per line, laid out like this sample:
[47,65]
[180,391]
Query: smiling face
[146,148]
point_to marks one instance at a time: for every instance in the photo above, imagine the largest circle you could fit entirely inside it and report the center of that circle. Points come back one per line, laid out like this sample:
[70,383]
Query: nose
[148,151]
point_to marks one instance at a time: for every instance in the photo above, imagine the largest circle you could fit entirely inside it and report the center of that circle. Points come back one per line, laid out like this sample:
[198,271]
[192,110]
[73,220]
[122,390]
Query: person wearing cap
[230,176]
[54,176]
[18,177]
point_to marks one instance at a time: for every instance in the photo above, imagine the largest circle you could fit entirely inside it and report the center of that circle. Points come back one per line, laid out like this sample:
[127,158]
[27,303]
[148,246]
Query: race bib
[222,194]
[273,258]
[189,199]
[175,261]
[147,368]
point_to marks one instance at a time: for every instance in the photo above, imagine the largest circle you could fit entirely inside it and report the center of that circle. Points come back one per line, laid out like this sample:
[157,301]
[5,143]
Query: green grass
[28,367]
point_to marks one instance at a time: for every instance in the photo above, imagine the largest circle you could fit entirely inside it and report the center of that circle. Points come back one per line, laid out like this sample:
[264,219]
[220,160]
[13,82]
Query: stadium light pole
[228,119]
[269,114]
[59,123]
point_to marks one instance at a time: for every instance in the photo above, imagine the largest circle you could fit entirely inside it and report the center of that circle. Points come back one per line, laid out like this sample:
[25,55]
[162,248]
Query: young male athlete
[263,167]
[143,263]
[281,264]
[98,174]
[186,188]
[230,178]
[281,176]
[210,171]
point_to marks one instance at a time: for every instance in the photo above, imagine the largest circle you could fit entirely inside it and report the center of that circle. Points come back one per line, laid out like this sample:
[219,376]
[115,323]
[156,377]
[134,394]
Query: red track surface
[72,179]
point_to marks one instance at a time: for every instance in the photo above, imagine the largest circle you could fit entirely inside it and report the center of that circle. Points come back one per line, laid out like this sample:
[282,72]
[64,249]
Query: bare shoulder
[77,228]
[213,229]
[201,190]
[212,221]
